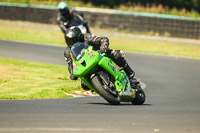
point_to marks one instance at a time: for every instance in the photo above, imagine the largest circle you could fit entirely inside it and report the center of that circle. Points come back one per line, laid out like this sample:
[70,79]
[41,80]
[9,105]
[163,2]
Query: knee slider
[68,58]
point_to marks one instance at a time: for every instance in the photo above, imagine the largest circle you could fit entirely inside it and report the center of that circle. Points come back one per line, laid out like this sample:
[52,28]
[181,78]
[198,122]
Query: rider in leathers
[67,18]
[74,35]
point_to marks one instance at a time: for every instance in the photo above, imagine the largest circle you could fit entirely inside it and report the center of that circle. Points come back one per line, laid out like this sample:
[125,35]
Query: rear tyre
[96,81]
[140,97]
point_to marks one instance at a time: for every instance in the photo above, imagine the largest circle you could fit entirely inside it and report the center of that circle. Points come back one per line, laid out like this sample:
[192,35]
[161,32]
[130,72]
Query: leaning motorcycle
[103,76]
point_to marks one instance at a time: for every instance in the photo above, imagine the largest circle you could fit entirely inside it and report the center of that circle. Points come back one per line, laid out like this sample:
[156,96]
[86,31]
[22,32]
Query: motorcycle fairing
[121,80]
[86,66]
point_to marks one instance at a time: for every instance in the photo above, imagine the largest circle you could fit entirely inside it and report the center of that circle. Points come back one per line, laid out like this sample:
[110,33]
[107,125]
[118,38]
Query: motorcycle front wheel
[96,81]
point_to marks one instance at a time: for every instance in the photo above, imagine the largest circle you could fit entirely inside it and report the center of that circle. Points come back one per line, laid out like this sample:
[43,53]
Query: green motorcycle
[104,76]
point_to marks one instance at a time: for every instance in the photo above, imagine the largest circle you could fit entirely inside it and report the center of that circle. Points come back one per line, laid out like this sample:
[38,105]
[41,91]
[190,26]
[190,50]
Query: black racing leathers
[74,19]
[115,55]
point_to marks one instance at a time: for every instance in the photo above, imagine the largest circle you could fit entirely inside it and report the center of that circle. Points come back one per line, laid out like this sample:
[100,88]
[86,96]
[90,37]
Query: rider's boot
[130,73]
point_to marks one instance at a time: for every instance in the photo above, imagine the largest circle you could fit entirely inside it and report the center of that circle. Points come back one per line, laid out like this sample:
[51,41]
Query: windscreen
[78,50]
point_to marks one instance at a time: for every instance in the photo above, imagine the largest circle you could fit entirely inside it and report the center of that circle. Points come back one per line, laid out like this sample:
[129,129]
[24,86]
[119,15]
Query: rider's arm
[69,61]
[101,42]
[78,15]
[61,23]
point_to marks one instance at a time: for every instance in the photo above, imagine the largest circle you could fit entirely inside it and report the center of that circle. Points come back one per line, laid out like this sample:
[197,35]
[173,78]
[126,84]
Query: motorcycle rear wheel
[140,97]
[96,81]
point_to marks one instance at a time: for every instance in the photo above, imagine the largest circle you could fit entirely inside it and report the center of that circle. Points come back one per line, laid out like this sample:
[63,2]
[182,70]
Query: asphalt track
[172,104]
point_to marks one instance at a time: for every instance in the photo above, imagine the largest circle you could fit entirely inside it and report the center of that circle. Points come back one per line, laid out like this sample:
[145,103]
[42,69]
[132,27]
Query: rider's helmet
[73,35]
[63,8]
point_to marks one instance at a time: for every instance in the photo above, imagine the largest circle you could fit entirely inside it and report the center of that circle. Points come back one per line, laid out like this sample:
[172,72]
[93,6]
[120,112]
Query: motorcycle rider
[67,18]
[74,35]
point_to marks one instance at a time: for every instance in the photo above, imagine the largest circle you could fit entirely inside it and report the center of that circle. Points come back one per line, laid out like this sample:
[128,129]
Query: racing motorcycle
[103,76]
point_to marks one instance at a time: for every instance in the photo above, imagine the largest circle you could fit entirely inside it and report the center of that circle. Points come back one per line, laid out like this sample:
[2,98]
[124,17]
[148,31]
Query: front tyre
[96,81]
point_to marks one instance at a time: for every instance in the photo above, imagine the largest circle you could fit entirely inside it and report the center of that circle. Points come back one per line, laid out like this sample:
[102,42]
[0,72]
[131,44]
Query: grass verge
[29,34]
[29,80]
[51,34]
[156,47]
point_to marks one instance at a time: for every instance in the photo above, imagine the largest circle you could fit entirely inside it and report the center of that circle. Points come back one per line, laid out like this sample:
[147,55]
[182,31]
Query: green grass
[156,47]
[31,35]
[40,33]
[29,80]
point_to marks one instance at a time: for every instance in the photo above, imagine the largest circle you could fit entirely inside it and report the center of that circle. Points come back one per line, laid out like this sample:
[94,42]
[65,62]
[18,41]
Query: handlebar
[102,51]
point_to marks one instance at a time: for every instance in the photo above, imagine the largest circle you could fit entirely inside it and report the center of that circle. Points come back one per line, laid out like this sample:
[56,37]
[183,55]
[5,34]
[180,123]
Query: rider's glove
[104,42]
[104,46]
[73,77]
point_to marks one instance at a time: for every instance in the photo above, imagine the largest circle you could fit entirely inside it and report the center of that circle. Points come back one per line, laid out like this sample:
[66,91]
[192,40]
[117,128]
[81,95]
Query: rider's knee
[84,86]
[67,56]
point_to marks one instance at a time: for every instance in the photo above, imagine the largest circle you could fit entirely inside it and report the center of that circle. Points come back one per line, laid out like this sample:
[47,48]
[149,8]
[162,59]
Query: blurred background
[169,18]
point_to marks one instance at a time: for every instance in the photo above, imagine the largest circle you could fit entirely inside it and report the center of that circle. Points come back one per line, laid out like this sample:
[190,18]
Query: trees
[179,4]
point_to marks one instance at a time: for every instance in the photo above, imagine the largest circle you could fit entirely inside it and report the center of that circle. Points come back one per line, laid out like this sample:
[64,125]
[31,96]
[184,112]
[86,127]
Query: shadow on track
[122,104]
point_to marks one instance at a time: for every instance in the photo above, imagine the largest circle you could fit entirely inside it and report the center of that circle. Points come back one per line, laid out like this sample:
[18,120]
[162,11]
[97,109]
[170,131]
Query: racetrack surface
[172,104]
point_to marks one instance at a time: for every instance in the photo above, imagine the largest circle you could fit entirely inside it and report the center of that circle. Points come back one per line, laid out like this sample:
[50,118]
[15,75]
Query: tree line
[179,4]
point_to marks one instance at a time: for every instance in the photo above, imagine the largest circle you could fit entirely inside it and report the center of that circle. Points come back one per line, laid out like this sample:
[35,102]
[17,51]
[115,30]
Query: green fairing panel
[86,64]
[89,63]
[112,68]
